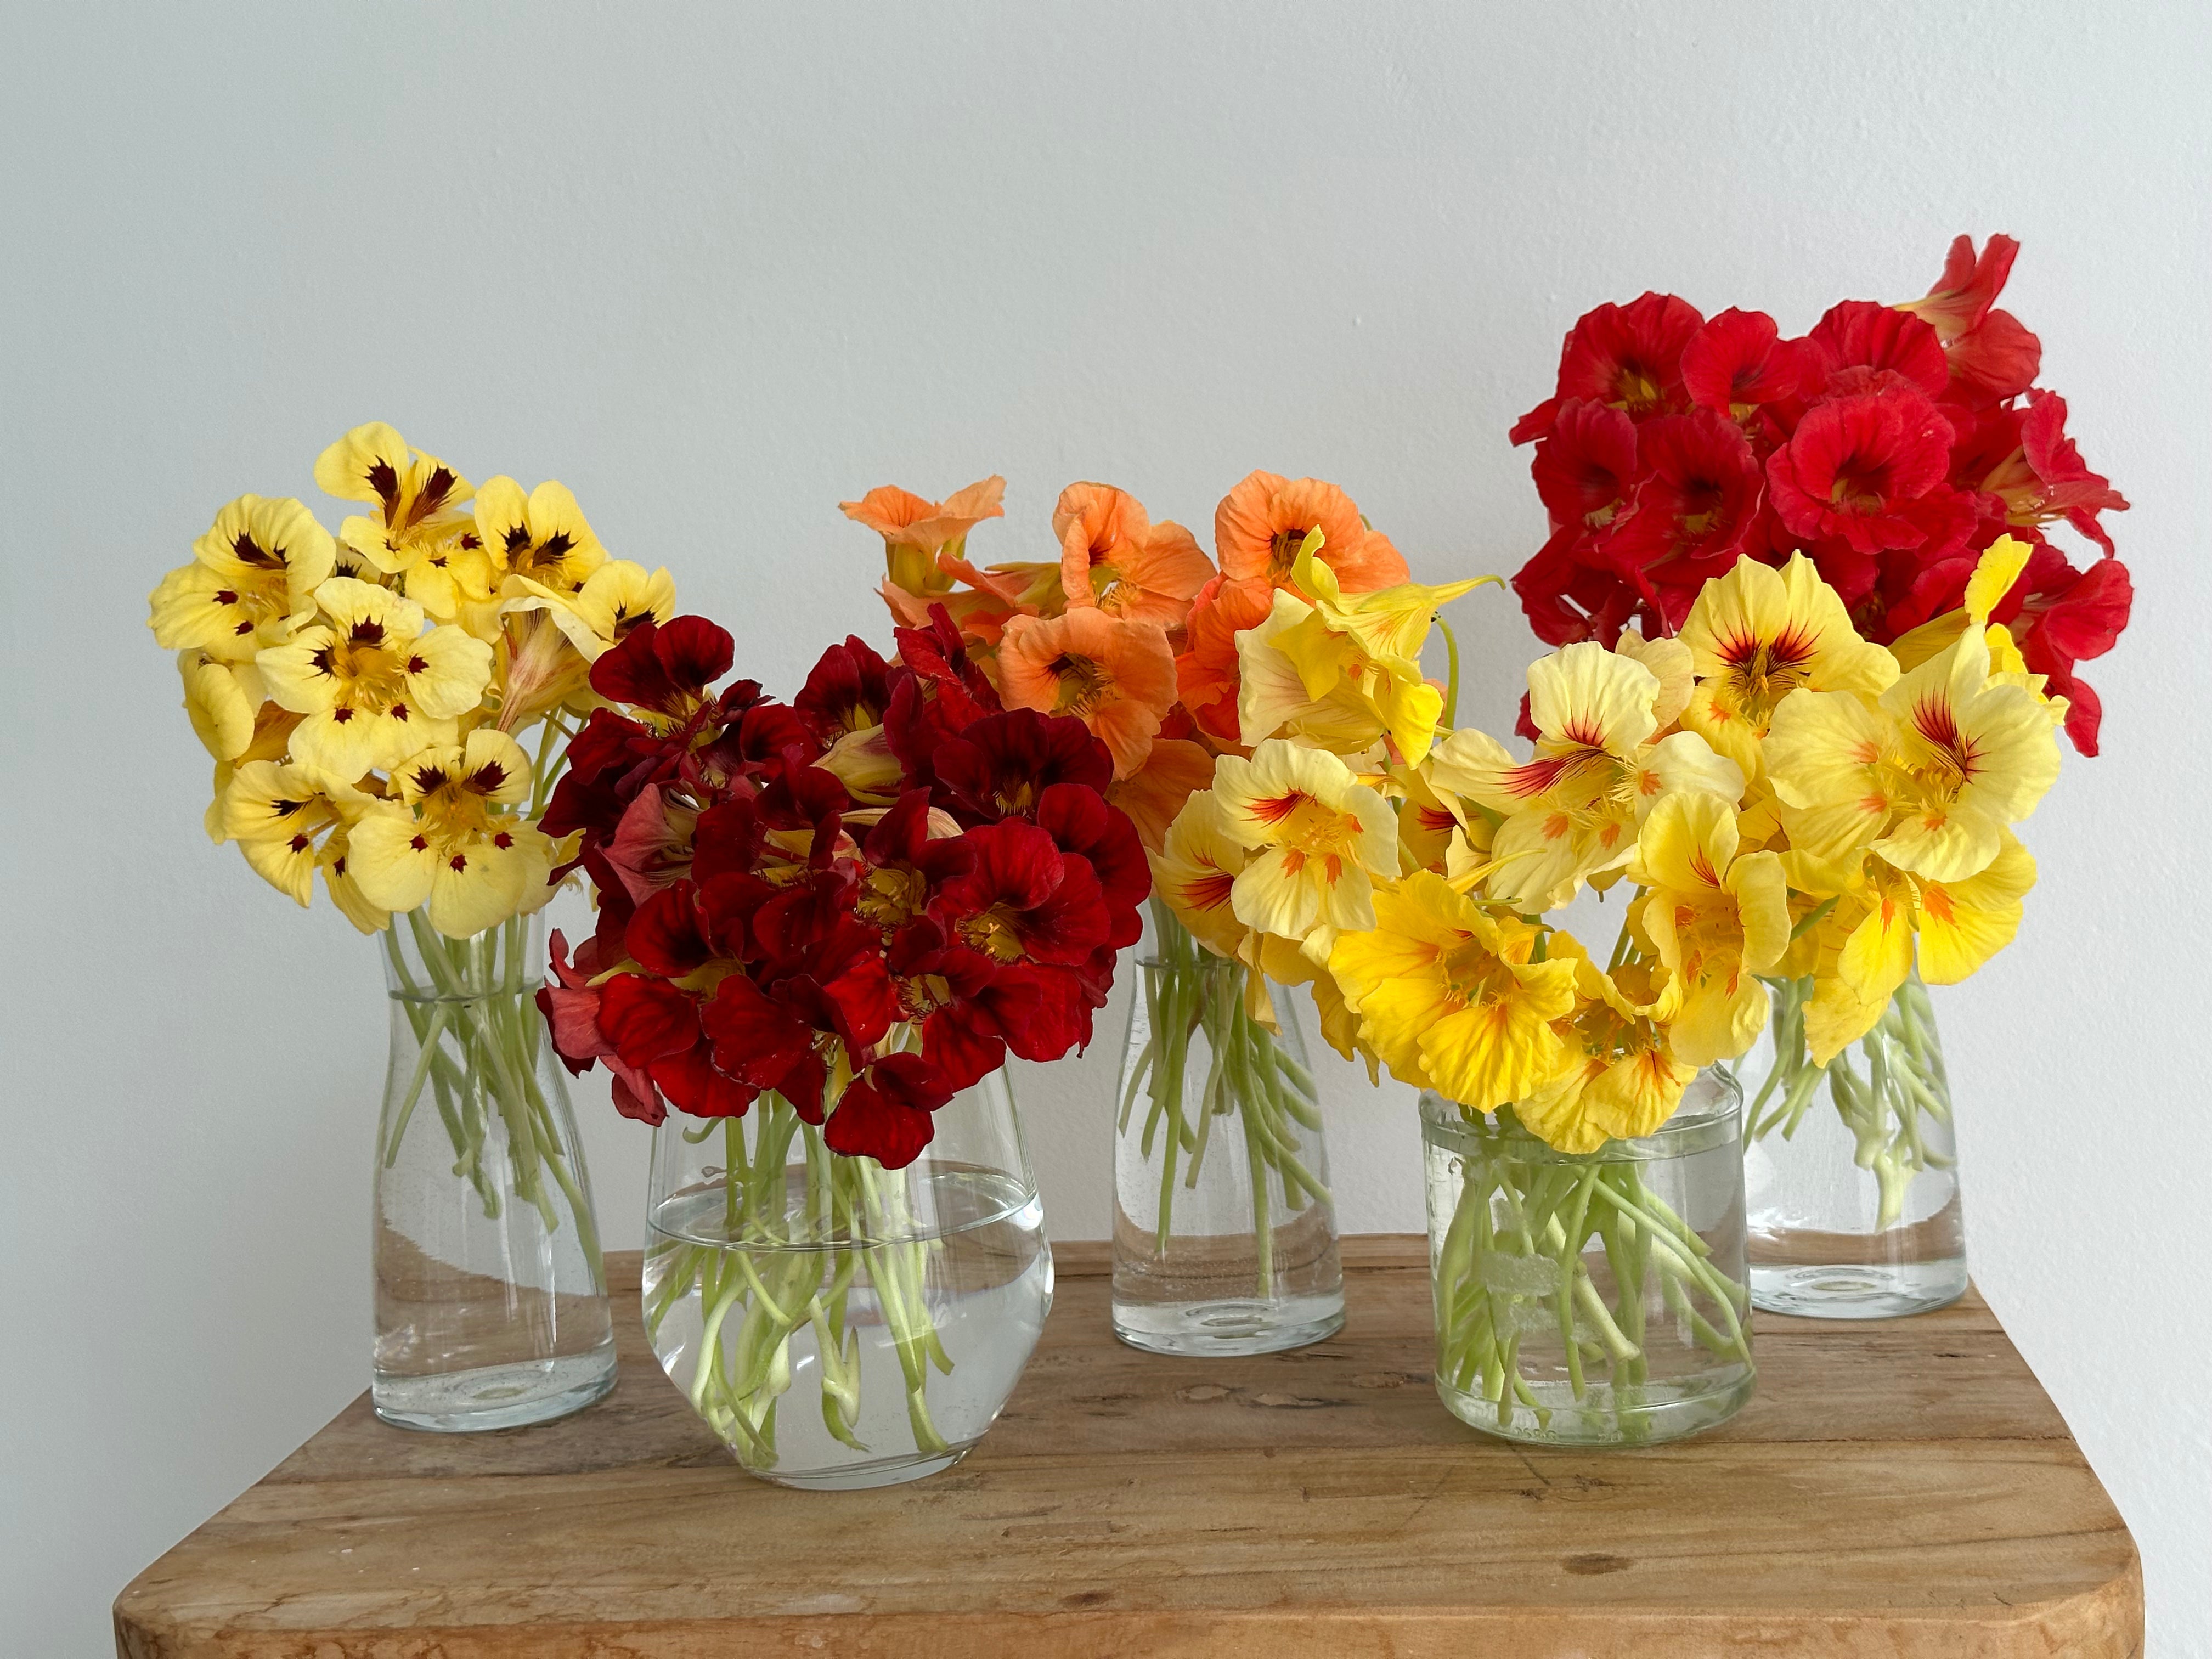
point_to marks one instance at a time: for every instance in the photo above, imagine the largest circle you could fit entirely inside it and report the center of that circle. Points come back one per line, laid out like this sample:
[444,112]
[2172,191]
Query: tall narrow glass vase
[1850,1168]
[1225,1237]
[1592,1300]
[491,1304]
[837,1324]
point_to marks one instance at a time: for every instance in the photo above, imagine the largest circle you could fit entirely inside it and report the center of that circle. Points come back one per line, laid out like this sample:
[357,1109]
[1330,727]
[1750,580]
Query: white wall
[719,268]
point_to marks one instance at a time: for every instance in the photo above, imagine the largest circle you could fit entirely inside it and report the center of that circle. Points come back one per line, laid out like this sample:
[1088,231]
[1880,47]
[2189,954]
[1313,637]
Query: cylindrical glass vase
[837,1324]
[1850,1168]
[491,1303]
[1224,1238]
[1591,1300]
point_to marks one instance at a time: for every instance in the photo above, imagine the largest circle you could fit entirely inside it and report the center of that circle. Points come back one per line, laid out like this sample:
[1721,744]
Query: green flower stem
[1517,1253]
[1188,992]
[1880,1106]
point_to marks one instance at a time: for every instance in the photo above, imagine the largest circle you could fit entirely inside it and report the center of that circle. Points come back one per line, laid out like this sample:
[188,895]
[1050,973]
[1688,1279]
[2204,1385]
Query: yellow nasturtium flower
[542,538]
[1570,812]
[1625,1079]
[549,638]
[417,532]
[1448,996]
[450,841]
[230,712]
[289,821]
[252,582]
[374,687]
[1196,871]
[1318,836]
[1759,634]
[1958,925]
[1717,918]
[1930,777]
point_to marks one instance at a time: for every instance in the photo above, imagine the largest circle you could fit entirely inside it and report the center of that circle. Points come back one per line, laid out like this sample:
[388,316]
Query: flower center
[992,932]
[1084,685]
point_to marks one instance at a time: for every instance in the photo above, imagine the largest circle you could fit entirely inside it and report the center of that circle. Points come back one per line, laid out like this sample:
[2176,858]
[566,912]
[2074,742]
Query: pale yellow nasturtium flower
[542,538]
[1319,838]
[1448,996]
[373,686]
[252,582]
[1569,813]
[291,820]
[1879,914]
[417,532]
[1929,777]
[231,715]
[549,638]
[1625,1079]
[451,842]
[1718,919]
[1995,573]
[1195,871]
[1759,634]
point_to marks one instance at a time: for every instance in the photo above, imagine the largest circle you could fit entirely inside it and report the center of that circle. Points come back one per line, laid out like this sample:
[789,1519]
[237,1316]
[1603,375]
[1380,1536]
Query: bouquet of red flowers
[860,901]
[1892,445]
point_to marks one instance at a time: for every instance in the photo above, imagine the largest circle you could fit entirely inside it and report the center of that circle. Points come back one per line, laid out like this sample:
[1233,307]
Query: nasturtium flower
[252,581]
[599,615]
[418,531]
[452,841]
[1449,995]
[1958,925]
[1195,874]
[1275,696]
[1261,524]
[1571,812]
[1929,776]
[541,539]
[1625,1079]
[374,687]
[291,819]
[1758,634]
[221,699]
[1114,557]
[1116,676]
[915,531]
[1319,838]
[1718,919]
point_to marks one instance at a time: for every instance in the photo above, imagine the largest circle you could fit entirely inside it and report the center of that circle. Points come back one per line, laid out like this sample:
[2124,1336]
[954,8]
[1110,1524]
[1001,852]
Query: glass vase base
[865,1477]
[1858,1290]
[1659,1413]
[1229,1326]
[496,1396]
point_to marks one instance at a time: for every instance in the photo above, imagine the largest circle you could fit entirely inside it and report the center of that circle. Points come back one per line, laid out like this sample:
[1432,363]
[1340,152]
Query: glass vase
[837,1324]
[1224,1238]
[491,1304]
[1852,1171]
[1590,1300]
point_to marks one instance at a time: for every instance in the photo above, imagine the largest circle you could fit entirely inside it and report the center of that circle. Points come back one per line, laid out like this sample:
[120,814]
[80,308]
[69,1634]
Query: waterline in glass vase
[1225,1237]
[837,1324]
[491,1306]
[1595,1299]
[1850,1168]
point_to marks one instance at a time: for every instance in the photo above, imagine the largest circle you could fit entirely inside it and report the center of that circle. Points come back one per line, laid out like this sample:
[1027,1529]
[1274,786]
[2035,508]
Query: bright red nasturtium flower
[761,927]
[1892,445]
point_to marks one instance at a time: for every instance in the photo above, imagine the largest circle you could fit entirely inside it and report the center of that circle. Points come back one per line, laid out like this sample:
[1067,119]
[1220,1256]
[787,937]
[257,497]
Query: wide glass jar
[1224,1238]
[491,1305]
[1590,1300]
[838,1324]
[1850,1168]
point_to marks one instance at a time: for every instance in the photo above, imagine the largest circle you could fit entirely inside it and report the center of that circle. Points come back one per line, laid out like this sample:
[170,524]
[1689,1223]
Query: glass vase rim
[1691,1129]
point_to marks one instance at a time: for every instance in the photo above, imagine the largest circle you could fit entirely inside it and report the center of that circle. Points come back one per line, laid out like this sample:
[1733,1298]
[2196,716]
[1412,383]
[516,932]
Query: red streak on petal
[1278,808]
[1208,892]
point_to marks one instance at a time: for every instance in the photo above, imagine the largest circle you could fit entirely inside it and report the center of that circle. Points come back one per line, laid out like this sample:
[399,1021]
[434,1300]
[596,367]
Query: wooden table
[1899,1488]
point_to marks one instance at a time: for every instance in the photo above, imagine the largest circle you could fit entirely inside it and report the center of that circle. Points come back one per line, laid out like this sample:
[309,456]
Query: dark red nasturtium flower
[764,927]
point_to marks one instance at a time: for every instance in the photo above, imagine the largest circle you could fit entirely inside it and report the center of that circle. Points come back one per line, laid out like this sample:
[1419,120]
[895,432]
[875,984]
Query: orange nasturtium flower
[1117,676]
[1261,524]
[915,531]
[1112,555]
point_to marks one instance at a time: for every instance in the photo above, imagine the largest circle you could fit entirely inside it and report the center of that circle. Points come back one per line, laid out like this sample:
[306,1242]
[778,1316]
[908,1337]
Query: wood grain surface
[1896,1488]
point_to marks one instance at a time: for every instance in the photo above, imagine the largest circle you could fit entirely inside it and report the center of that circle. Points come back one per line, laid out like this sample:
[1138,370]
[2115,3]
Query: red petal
[645,1018]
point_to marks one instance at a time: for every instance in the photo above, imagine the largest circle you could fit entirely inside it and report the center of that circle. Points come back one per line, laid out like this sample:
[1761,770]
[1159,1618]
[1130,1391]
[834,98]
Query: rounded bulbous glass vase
[837,1324]
[1851,1167]
[1592,1300]
[1224,1236]
[491,1304]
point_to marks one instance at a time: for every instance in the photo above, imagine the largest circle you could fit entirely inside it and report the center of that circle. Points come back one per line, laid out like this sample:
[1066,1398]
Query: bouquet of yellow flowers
[390,708]
[1780,797]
